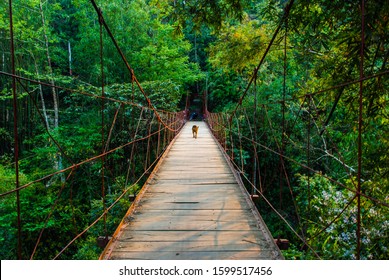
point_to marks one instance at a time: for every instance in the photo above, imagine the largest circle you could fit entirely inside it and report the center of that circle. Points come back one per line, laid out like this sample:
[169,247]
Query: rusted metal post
[240,145]
[360,126]
[309,154]
[282,165]
[102,127]
[254,189]
[16,134]
[231,138]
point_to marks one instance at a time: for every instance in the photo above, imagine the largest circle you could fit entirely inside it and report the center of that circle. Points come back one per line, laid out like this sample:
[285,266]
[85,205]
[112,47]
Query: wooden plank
[198,170]
[193,246]
[214,190]
[253,236]
[177,225]
[203,198]
[195,255]
[221,214]
[197,181]
[193,195]
[250,236]
[190,176]
[192,206]
[191,223]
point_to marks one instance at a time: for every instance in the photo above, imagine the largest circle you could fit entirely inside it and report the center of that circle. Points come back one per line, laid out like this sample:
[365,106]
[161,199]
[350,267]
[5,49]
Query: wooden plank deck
[192,207]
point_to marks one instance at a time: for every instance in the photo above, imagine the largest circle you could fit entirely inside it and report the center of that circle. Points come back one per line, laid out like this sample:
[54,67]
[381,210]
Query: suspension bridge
[193,203]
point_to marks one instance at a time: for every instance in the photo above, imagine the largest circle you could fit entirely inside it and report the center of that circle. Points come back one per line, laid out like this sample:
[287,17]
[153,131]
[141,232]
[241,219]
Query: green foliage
[169,44]
[199,13]
[322,51]
[239,47]
[337,241]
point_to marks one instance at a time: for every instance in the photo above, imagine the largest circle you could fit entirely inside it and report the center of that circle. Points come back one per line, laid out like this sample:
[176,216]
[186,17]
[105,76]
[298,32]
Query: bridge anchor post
[283,244]
[102,241]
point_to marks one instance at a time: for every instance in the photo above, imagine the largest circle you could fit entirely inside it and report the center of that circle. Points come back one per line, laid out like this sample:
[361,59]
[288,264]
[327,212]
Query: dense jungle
[305,83]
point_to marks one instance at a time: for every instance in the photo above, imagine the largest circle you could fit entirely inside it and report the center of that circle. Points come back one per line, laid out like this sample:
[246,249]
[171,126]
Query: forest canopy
[305,83]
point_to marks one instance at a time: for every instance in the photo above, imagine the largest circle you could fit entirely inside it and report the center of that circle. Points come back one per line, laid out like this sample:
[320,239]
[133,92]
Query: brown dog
[195,129]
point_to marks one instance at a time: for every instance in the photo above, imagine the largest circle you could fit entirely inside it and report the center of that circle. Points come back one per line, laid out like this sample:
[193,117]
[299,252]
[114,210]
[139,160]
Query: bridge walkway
[192,208]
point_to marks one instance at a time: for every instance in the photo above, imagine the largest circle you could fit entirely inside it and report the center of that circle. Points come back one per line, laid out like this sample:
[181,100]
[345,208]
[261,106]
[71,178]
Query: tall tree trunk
[58,163]
[44,111]
[50,68]
[70,58]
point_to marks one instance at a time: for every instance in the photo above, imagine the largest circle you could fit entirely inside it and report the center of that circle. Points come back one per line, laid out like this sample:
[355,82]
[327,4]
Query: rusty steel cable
[326,226]
[77,164]
[43,121]
[283,171]
[241,172]
[314,171]
[50,214]
[18,77]
[108,208]
[254,76]
[129,68]
[111,129]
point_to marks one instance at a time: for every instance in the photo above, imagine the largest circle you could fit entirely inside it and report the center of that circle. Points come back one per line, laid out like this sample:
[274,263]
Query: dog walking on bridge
[195,129]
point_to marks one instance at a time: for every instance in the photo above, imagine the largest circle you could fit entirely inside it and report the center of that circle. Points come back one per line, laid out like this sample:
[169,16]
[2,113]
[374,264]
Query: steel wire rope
[272,207]
[18,188]
[18,77]
[112,126]
[284,169]
[57,144]
[108,208]
[317,172]
[80,92]
[50,214]
[302,238]
[323,91]
[334,219]
[282,218]
[365,78]
[94,96]
[280,151]
[279,214]
[63,185]
[254,76]
[348,168]
[268,202]
[133,147]
[54,140]
[78,164]
[129,68]
[255,149]
[147,156]
[342,162]
[281,159]
[44,122]
[341,211]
